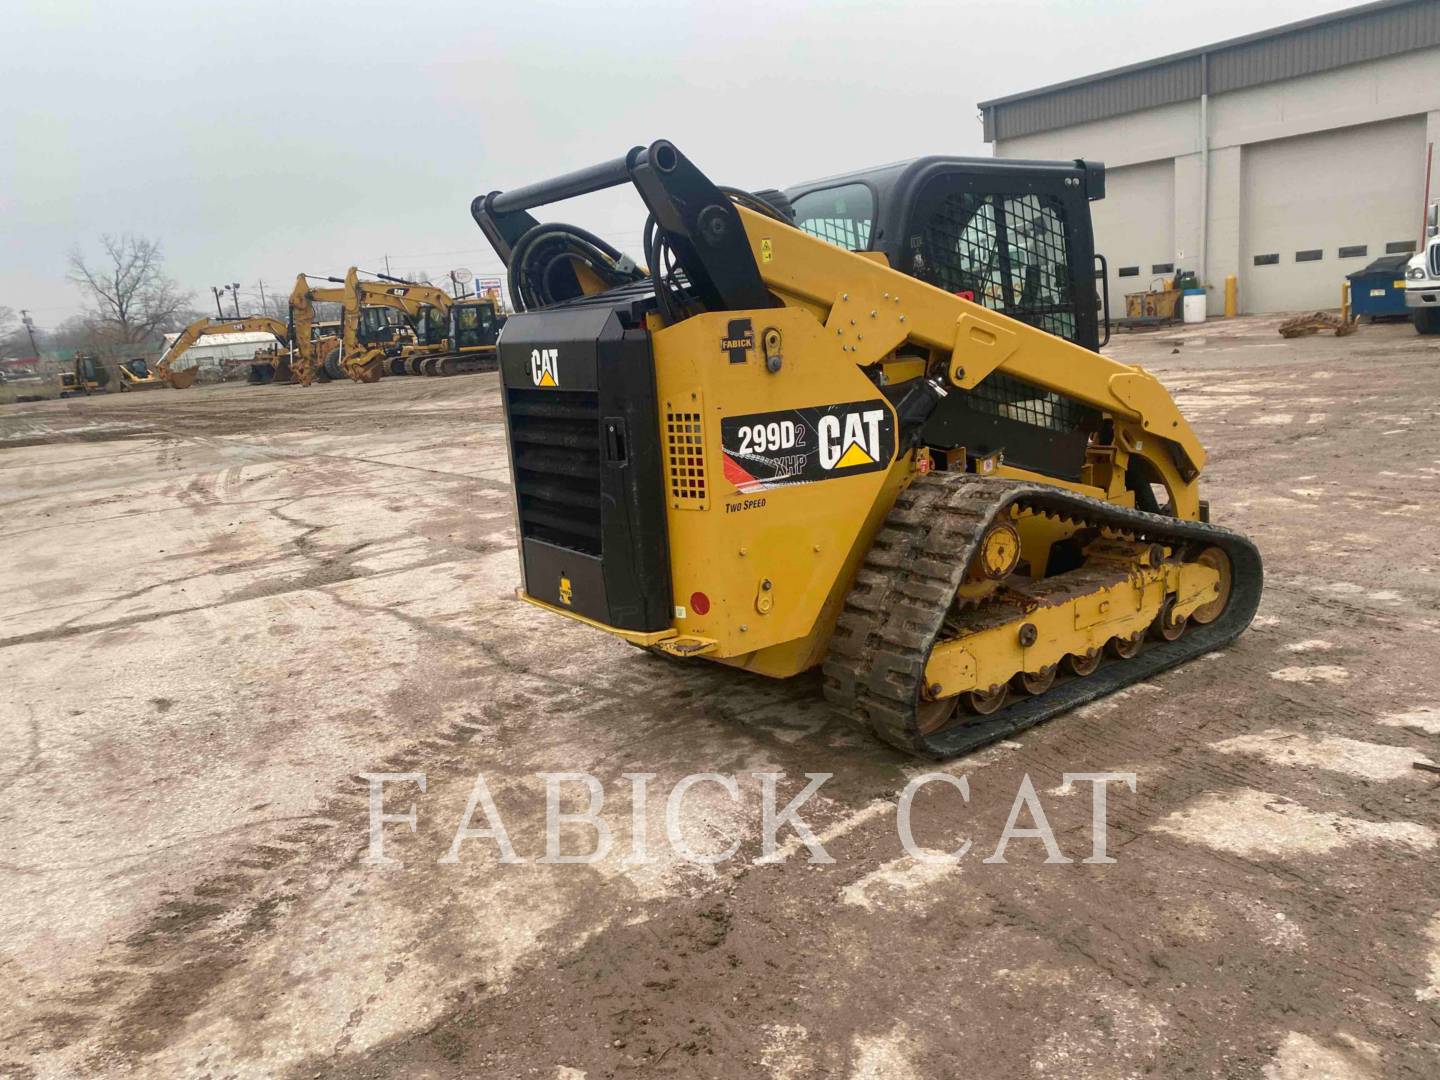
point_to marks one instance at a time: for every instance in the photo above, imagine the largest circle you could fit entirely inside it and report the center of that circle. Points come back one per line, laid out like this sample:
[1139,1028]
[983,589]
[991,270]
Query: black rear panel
[555,448]
[581,415]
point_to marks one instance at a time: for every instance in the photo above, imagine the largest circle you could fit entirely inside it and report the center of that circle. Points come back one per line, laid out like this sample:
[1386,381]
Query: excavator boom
[201,328]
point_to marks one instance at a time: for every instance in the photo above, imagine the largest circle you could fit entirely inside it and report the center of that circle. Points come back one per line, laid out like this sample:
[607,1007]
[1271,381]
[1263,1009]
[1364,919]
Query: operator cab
[474,324]
[1013,236]
[380,326]
[429,326]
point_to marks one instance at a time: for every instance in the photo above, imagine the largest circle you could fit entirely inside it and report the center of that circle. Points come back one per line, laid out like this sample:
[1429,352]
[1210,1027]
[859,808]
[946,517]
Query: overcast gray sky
[259,139]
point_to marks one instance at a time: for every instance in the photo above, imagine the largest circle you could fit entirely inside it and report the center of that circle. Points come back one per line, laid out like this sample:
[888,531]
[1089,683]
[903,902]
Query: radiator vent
[556,449]
[685,457]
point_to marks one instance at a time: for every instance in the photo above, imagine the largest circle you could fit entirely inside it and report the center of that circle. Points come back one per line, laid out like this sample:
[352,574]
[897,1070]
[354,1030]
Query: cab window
[1006,252]
[842,215]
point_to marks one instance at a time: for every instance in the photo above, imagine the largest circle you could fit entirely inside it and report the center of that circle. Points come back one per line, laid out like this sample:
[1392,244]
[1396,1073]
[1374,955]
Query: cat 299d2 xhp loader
[906,463]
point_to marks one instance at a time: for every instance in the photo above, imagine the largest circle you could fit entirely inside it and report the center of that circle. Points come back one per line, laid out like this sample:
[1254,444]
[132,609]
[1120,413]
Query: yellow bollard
[1232,300]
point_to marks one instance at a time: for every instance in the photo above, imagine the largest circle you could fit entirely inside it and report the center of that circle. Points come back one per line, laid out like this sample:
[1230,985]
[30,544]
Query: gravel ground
[223,606]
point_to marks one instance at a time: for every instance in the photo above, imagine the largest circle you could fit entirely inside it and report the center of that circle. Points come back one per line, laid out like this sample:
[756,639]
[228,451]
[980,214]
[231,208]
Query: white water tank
[1193,302]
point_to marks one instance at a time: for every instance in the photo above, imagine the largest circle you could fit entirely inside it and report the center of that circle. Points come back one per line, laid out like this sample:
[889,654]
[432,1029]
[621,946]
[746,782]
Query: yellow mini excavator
[862,425]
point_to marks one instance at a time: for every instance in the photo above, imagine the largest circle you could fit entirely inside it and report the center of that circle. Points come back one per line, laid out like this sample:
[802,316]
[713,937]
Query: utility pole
[264,309]
[235,295]
[30,330]
[216,290]
[387,265]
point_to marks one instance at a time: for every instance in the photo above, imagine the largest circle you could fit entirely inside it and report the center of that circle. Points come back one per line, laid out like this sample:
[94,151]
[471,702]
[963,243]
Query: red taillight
[699,603]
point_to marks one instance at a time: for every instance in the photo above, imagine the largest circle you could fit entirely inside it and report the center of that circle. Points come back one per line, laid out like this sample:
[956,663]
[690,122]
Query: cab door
[1015,243]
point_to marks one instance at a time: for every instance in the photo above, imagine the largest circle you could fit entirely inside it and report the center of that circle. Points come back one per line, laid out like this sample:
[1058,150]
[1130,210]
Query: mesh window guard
[1026,274]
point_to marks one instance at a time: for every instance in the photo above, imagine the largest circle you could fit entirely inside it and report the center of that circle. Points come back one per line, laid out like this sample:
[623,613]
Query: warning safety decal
[802,446]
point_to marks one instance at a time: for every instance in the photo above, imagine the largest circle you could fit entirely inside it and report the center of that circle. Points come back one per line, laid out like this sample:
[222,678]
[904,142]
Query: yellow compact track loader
[89,374]
[863,425]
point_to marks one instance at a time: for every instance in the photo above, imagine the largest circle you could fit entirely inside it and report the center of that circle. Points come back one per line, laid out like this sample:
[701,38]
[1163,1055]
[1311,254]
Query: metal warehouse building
[1289,158]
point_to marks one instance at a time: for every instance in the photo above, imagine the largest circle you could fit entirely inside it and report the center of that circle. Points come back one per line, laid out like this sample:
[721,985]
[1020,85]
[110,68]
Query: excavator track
[903,602]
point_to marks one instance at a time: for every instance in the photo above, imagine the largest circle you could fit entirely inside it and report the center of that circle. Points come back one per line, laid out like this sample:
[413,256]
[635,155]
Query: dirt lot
[221,606]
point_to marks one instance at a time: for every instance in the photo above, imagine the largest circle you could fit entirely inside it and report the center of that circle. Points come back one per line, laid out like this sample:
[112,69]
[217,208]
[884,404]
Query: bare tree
[131,301]
[79,333]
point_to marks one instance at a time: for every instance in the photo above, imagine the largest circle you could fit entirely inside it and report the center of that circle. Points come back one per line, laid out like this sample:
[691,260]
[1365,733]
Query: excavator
[861,425]
[276,359]
[453,335]
[367,332]
[447,335]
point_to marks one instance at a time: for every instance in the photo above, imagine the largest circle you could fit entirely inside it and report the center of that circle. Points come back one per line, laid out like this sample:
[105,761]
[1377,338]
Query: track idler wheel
[1083,664]
[395,366]
[1218,561]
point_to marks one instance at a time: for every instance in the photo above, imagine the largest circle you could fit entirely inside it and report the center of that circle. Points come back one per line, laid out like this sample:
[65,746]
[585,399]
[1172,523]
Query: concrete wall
[1343,178]
[1137,221]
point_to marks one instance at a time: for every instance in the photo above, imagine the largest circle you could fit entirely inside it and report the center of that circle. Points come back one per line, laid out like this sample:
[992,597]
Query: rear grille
[555,439]
[685,459]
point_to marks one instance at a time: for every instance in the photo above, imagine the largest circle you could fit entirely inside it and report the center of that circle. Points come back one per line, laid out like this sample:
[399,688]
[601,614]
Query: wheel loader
[861,425]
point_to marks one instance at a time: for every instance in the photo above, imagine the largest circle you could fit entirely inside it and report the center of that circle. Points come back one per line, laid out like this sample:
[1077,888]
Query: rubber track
[903,590]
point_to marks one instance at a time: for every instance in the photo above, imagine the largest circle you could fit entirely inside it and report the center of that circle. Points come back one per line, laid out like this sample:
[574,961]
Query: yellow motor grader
[862,425]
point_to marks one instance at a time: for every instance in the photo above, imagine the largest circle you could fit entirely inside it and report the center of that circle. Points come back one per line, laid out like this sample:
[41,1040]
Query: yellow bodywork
[361,362]
[775,565]
[208,327]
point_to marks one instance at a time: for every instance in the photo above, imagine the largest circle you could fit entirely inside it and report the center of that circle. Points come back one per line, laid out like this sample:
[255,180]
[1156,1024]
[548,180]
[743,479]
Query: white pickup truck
[1422,278]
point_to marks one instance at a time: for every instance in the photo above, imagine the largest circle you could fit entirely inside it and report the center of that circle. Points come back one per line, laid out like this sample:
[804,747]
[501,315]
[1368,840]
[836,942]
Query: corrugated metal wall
[1366,34]
[1129,92]
[1322,48]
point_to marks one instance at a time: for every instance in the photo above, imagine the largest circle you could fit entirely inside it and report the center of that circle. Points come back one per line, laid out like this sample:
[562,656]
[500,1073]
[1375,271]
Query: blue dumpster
[1379,289]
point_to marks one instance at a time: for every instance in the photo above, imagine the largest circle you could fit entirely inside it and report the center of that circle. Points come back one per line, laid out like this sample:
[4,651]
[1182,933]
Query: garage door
[1317,207]
[1135,227]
